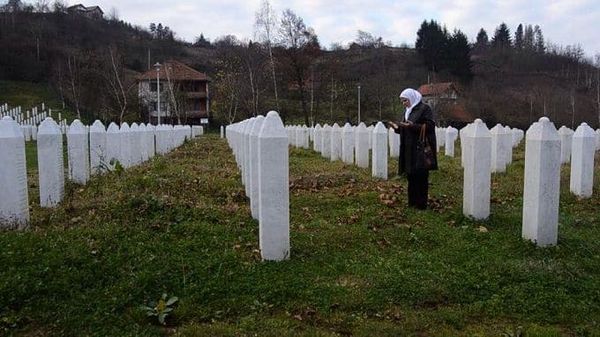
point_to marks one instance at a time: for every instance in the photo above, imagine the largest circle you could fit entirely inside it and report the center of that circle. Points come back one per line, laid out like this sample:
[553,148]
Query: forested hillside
[91,65]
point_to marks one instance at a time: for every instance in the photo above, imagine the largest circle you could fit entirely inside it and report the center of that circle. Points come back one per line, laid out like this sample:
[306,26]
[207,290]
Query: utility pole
[358,104]
[157,66]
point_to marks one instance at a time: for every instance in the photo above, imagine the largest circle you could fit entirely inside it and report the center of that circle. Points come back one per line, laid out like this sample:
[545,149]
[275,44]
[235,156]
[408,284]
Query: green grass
[28,95]
[362,263]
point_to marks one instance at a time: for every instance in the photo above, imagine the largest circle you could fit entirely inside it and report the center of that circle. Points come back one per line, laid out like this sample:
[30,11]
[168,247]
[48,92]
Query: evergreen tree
[202,42]
[159,31]
[528,38]
[501,39]
[481,43]
[459,60]
[519,37]
[482,38]
[431,44]
[539,40]
[152,28]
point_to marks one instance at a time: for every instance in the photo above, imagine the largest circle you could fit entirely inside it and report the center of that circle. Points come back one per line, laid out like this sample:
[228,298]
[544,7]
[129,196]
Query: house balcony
[196,94]
[189,114]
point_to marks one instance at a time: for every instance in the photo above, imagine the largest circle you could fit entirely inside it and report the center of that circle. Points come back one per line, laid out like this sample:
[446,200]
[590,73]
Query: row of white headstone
[14,112]
[91,151]
[504,140]
[350,144]
[544,153]
[33,117]
[260,147]
[30,131]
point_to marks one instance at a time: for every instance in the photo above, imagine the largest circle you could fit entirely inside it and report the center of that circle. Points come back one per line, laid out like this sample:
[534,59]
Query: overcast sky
[565,22]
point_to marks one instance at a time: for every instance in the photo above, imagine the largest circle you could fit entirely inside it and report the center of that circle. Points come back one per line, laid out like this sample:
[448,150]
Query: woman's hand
[393,125]
[406,124]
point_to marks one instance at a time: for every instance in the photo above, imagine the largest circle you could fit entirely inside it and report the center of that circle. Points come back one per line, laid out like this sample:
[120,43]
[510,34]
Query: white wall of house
[148,98]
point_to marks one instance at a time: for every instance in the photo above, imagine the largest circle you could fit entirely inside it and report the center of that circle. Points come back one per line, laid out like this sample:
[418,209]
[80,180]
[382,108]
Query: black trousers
[418,187]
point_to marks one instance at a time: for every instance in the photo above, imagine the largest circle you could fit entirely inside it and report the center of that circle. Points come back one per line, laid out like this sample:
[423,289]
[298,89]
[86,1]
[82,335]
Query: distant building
[184,94]
[444,98]
[92,12]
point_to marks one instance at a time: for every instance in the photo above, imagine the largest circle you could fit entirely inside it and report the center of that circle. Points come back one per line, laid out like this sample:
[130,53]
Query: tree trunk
[274,77]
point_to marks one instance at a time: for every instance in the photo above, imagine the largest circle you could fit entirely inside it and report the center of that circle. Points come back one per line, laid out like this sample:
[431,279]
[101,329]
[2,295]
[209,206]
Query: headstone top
[498,129]
[584,130]
[478,129]
[272,126]
[380,128]
[48,127]
[112,128]
[257,125]
[97,126]
[77,128]
[543,130]
[9,128]
[565,131]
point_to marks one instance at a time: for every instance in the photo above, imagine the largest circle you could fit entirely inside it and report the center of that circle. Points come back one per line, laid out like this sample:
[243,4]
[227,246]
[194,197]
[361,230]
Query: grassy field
[362,264]
[28,94]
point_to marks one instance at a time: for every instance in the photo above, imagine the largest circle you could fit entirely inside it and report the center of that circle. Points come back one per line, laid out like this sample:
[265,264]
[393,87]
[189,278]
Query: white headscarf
[414,97]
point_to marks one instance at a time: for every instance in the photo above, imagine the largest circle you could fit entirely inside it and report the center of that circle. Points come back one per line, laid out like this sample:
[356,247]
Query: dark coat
[409,135]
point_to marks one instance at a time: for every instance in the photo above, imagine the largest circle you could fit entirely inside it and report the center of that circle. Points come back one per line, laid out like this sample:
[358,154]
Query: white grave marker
[476,146]
[336,142]
[362,145]
[98,154]
[394,139]
[380,151]
[254,165]
[566,141]
[542,183]
[273,182]
[450,139]
[50,163]
[582,165]
[14,197]
[78,153]
[348,144]
[113,145]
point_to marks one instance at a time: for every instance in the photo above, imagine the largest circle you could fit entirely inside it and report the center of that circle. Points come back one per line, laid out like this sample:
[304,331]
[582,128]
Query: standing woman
[417,115]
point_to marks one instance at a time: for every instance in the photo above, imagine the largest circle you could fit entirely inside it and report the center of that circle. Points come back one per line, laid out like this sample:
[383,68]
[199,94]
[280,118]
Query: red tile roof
[435,88]
[177,71]
[458,112]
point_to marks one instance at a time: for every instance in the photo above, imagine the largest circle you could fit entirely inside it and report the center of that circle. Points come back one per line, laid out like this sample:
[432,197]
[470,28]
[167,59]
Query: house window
[163,106]
[153,86]
[197,105]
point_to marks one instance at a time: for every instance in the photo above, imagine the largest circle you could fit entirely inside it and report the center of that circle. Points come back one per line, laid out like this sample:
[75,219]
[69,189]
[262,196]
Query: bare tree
[113,14]
[177,98]
[42,6]
[301,48]
[264,26]
[115,82]
[74,81]
[229,80]
[253,61]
